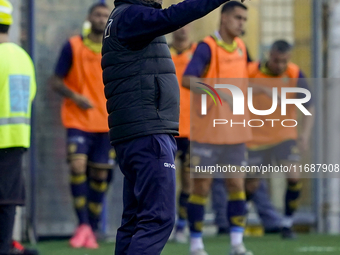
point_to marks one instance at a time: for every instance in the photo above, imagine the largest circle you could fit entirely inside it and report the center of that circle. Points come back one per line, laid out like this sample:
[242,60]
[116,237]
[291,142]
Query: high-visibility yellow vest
[17,91]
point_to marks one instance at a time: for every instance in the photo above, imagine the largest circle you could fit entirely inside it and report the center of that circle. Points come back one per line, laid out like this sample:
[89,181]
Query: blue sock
[79,191]
[292,197]
[195,210]
[237,211]
[182,212]
[97,190]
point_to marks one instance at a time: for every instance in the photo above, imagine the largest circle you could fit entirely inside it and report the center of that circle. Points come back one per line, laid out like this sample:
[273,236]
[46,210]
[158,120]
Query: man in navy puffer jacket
[143,104]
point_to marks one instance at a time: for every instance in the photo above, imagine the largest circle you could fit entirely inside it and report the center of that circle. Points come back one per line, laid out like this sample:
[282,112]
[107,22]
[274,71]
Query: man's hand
[82,101]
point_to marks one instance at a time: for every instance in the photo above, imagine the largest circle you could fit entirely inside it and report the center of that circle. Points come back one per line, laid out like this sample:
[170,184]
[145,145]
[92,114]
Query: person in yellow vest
[277,143]
[17,91]
[222,55]
[78,78]
[182,50]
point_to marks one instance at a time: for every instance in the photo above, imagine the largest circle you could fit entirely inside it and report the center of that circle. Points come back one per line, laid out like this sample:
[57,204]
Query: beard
[97,31]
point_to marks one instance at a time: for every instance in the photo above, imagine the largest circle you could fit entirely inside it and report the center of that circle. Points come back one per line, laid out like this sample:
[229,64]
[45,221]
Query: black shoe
[18,249]
[223,231]
[288,233]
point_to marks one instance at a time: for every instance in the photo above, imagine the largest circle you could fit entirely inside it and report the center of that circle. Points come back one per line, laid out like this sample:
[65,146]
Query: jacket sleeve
[139,24]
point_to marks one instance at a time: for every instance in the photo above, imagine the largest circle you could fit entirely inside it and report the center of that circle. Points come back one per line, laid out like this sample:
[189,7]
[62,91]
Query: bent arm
[197,68]
[58,86]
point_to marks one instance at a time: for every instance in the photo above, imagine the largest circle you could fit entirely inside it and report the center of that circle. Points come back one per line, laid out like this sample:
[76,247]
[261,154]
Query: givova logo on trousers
[169,165]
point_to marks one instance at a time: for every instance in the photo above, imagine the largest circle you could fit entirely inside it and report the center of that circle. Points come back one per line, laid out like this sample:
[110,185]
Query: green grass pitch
[268,245]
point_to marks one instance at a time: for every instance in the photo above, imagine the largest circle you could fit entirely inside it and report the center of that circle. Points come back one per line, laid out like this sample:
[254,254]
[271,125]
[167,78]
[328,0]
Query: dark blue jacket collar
[140,2]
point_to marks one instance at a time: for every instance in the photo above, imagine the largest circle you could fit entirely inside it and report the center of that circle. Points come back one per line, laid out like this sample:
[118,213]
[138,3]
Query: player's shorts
[95,147]
[12,186]
[286,151]
[183,146]
[212,154]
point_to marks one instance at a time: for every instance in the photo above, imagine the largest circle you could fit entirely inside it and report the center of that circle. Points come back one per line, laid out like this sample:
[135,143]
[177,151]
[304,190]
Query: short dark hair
[281,46]
[97,5]
[230,6]
[4,29]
